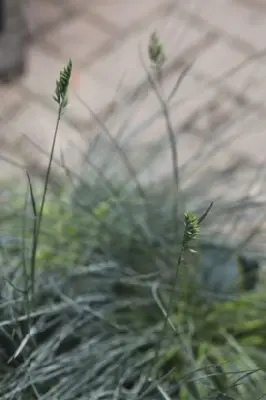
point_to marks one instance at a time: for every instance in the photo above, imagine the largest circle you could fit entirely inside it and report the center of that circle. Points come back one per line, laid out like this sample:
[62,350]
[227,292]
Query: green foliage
[212,343]
[221,339]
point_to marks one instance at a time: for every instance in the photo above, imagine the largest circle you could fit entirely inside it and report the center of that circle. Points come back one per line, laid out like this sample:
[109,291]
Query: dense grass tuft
[119,286]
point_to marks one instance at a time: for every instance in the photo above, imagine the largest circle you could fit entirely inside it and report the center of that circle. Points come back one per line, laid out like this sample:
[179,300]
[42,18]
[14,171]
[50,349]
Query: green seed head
[156,50]
[62,84]
[191,227]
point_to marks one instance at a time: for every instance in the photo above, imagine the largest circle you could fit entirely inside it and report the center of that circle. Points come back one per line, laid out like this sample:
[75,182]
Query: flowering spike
[62,84]
[156,50]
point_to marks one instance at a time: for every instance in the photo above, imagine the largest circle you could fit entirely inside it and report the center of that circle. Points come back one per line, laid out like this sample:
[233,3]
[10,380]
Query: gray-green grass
[105,285]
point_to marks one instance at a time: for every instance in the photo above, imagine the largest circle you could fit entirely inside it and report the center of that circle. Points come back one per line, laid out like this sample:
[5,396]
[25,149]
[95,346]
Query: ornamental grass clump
[116,289]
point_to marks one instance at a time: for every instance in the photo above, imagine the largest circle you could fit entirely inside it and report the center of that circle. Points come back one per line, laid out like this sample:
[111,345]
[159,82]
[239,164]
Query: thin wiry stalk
[172,139]
[38,215]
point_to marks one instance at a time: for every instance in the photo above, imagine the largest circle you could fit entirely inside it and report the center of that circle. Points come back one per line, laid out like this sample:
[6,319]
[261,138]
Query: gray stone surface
[103,37]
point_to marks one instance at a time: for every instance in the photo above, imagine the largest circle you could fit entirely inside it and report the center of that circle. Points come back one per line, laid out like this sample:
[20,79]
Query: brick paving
[104,39]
